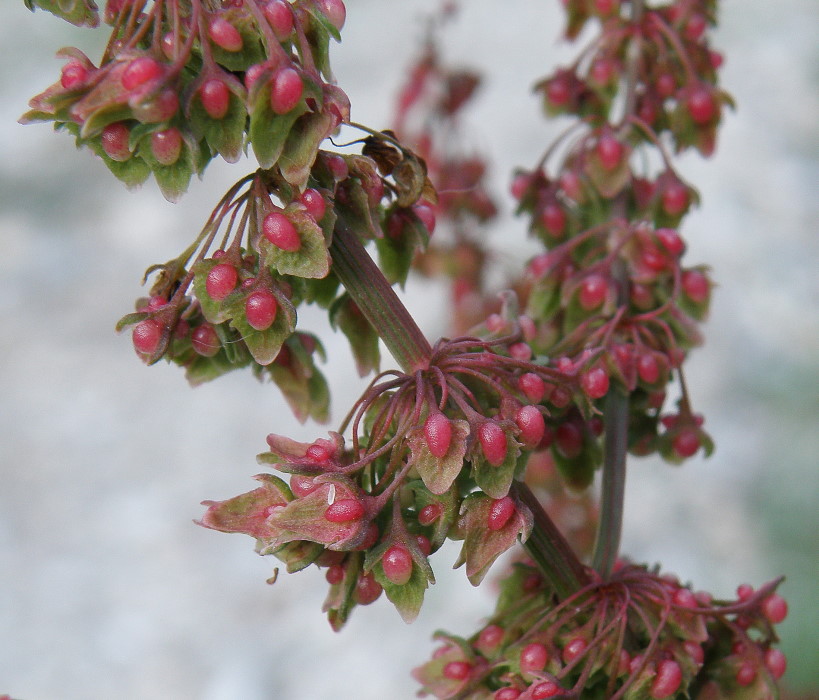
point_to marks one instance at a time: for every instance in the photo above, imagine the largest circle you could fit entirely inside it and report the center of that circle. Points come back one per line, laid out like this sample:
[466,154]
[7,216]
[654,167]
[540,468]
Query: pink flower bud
[500,512]
[438,434]
[345,510]
[531,424]
[667,681]
[493,442]
[533,657]
[397,564]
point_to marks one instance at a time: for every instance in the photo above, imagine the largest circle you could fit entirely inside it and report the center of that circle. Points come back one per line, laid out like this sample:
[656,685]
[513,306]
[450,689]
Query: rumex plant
[539,387]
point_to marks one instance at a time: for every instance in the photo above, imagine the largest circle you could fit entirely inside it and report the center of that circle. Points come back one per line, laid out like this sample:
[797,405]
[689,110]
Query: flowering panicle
[433,454]
[230,299]
[182,81]
[639,634]
[611,303]
[611,295]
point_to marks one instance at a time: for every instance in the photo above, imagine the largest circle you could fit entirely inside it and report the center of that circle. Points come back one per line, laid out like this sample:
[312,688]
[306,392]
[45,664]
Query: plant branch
[610,525]
[550,550]
[378,301]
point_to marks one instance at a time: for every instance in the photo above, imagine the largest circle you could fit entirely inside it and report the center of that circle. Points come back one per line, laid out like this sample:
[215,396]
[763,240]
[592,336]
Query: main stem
[549,549]
[381,306]
[615,447]
[610,525]
[378,301]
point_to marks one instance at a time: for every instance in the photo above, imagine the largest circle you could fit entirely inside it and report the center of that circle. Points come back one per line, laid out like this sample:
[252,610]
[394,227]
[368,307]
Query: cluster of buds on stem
[182,81]
[230,299]
[611,302]
[611,295]
[637,635]
[429,110]
[433,455]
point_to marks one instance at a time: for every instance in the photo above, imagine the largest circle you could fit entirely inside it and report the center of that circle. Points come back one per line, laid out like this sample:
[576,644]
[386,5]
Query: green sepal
[172,179]
[687,625]
[641,688]
[449,501]
[579,471]
[574,314]
[328,224]
[355,210]
[263,345]
[303,518]
[268,130]
[55,102]
[100,118]
[225,135]
[215,311]
[340,601]
[395,255]
[701,136]
[133,172]
[513,591]
[200,369]
[301,146]
[311,260]
[297,555]
[609,183]
[249,513]
[544,297]
[408,597]
[131,319]
[577,16]
[233,347]
[38,115]
[81,13]
[431,674]
[495,481]
[665,443]
[321,291]
[252,51]
[302,384]
[483,546]
[346,316]
[106,95]
[319,30]
[439,473]
[722,684]
[685,329]
[696,310]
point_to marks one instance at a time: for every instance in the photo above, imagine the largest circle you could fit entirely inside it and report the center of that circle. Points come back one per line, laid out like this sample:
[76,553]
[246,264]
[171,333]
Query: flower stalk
[612,490]
[550,550]
[378,301]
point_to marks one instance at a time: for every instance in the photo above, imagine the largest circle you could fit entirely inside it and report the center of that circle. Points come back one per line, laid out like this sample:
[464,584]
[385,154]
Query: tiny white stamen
[331,495]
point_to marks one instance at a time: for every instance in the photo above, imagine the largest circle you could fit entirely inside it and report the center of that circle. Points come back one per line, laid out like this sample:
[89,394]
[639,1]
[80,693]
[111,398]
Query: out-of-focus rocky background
[107,589]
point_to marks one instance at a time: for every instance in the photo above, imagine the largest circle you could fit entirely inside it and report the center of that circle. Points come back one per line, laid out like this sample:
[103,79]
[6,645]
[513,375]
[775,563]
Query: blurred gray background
[107,589]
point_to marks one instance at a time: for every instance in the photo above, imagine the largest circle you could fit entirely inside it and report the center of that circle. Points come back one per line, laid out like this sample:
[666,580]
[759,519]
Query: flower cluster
[611,302]
[182,81]
[230,299]
[433,455]
[639,634]
[611,296]
[675,89]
